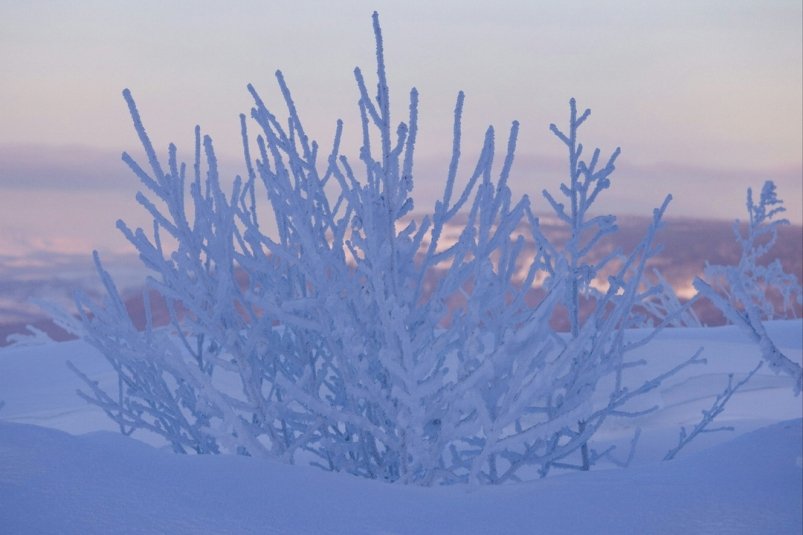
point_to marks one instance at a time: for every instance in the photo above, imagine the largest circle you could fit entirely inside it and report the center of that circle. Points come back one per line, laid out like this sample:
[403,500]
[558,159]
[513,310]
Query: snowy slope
[51,482]
[746,481]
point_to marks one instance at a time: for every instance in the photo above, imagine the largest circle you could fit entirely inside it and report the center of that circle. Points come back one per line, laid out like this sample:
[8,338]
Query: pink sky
[703,97]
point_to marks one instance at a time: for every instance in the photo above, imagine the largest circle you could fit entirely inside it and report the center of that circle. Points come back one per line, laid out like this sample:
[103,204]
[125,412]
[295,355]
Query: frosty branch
[741,291]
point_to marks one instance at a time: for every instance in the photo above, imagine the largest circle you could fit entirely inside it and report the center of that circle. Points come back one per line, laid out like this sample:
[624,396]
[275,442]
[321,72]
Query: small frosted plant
[742,292]
[330,342]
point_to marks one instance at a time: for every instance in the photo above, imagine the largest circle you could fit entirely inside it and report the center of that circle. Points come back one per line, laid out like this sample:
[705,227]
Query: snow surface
[63,469]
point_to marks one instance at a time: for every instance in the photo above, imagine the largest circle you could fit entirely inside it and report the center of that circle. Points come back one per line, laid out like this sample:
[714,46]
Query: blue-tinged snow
[97,481]
[52,482]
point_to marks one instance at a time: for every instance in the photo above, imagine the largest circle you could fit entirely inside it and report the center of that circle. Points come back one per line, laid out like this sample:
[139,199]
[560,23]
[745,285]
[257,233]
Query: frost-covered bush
[742,292]
[329,341]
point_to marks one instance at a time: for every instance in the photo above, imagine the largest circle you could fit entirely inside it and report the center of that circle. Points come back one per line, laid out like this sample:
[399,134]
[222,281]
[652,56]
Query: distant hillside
[688,244]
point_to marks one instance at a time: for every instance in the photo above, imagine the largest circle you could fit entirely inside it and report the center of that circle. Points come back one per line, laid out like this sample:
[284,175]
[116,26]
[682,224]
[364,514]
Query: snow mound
[53,482]
[63,471]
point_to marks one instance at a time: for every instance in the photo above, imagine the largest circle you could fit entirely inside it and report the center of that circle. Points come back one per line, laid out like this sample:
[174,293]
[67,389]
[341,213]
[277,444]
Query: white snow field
[63,468]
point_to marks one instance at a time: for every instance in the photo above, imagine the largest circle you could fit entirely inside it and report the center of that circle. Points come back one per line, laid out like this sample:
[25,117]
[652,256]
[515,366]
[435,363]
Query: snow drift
[747,481]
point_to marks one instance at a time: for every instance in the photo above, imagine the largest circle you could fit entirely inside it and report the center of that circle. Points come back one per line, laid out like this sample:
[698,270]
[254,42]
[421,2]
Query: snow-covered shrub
[598,317]
[330,342]
[742,292]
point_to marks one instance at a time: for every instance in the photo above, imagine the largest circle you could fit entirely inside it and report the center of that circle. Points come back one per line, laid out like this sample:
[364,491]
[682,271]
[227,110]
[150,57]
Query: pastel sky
[704,97]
